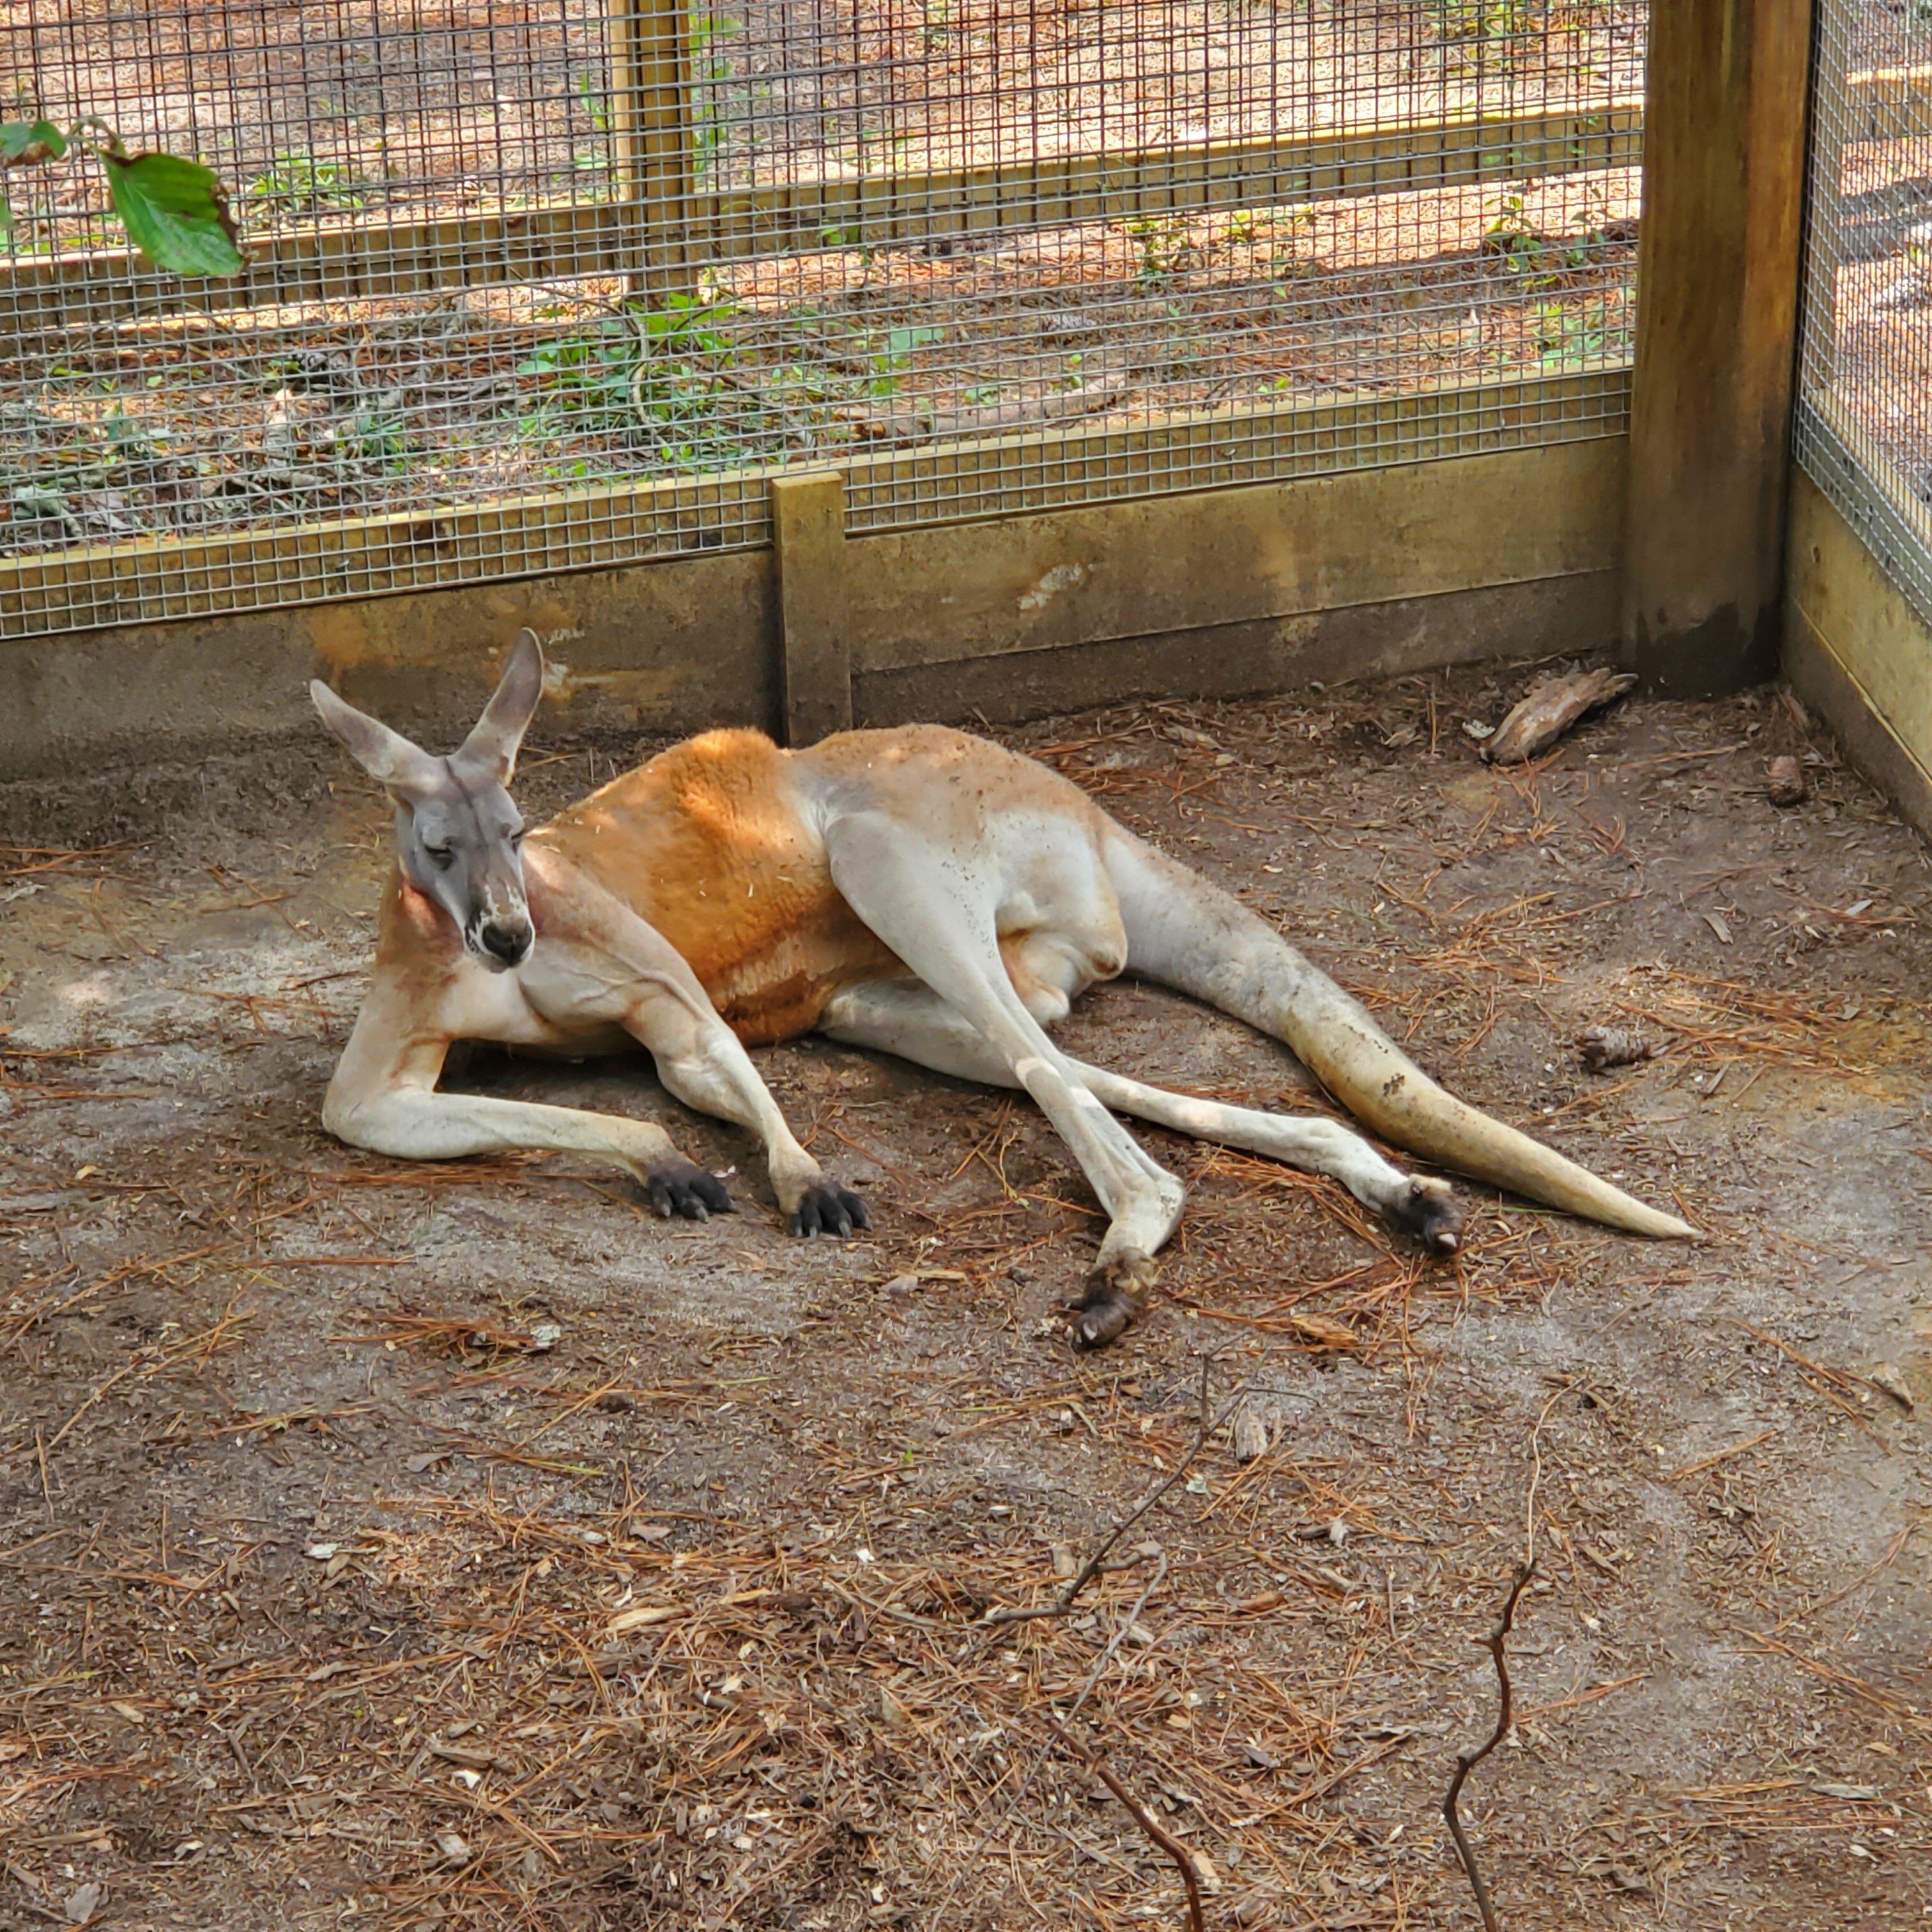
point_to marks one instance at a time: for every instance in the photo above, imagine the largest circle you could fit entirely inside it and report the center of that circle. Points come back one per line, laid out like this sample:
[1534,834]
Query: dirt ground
[458,1546]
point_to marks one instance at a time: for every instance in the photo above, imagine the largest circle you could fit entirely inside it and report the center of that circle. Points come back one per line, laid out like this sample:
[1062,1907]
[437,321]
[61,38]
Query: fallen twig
[1092,1567]
[1467,1760]
[1142,1817]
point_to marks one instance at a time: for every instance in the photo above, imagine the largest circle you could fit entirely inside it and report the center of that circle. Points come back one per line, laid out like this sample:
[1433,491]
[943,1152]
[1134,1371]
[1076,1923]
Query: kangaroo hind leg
[900,1017]
[937,908]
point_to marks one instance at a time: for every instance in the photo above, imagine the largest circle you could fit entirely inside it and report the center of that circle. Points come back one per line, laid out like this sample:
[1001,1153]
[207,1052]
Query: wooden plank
[151,579]
[1857,650]
[1234,556]
[1223,447]
[373,260]
[1377,639]
[680,646]
[694,642]
[1717,320]
[809,539]
[1889,103]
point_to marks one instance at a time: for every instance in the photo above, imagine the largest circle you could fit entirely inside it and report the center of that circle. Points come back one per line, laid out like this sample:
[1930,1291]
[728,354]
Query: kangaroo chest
[707,844]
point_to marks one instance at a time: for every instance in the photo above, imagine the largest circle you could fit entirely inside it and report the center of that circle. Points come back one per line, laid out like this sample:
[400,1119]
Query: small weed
[1165,249]
[649,376]
[582,381]
[1566,339]
[300,184]
[889,363]
[379,436]
[596,107]
[710,68]
[1479,22]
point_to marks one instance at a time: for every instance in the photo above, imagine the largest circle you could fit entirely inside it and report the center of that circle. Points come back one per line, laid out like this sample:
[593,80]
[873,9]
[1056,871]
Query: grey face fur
[458,835]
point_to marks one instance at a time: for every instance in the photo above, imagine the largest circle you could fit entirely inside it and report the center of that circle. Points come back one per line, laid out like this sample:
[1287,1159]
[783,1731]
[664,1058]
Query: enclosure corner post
[809,536]
[1717,293]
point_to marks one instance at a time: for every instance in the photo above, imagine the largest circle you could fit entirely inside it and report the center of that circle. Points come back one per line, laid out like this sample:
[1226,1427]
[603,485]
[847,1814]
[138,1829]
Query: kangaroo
[917,891]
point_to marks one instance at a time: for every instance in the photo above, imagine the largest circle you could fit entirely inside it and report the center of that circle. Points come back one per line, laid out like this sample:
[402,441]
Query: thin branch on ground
[1467,1760]
[1172,1846]
[1097,1562]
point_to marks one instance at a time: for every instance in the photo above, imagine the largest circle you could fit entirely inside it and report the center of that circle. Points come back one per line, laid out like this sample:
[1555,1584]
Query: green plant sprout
[892,361]
[301,185]
[174,210]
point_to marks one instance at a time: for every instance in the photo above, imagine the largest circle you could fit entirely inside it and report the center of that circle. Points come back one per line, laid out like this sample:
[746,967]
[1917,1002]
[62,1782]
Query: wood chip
[1323,1333]
[644,1615]
[1785,783]
[1550,708]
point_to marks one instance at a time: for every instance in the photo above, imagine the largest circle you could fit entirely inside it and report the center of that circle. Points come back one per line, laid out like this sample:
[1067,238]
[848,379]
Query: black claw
[829,1209]
[1103,1318]
[681,1187]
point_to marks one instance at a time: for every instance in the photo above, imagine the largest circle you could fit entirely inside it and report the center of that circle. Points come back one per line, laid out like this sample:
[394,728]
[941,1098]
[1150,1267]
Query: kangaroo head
[458,834]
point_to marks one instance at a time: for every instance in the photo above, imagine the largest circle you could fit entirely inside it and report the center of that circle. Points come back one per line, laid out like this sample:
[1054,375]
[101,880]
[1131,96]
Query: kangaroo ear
[397,766]
[499,731]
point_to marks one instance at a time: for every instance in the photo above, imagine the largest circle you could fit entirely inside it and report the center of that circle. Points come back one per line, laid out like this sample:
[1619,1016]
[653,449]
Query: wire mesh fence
[1864,403]
[535,284]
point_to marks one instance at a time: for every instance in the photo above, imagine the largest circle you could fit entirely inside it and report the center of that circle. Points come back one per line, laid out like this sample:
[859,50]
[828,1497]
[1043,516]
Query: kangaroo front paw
[826,1208]
[1116,1293]
[682,1187]
[1430,1214]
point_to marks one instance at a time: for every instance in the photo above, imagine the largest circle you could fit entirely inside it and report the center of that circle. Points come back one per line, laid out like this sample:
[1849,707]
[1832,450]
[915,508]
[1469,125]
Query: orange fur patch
[706,843]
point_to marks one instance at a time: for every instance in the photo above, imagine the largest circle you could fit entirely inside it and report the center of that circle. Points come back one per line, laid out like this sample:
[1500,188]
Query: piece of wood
[1889,103]
[1265,554]
[151,579]
[368,260]
[1718,273]
[809,535]
[1858,653]
[652,142]
[1551,706]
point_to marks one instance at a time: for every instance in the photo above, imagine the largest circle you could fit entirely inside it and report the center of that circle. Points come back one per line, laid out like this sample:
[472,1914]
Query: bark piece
[1550,708]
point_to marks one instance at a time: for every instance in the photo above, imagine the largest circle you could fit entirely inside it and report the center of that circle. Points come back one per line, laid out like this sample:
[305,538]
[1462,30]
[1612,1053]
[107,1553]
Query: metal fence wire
[1865,385]
[538,284]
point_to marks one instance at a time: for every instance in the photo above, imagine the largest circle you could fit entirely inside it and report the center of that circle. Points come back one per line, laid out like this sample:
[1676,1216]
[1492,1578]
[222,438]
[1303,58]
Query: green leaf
[6,220]
[24,141]
[175,212]
[902,343]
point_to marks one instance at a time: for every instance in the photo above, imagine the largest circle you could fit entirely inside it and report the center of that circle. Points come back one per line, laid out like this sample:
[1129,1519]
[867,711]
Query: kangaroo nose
[507,943]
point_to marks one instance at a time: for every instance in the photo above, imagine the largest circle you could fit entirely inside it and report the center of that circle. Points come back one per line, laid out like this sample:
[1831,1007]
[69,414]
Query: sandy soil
[457,1546]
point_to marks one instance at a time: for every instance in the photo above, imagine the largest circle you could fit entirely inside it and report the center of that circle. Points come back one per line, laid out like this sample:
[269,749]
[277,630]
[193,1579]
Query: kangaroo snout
[506,942]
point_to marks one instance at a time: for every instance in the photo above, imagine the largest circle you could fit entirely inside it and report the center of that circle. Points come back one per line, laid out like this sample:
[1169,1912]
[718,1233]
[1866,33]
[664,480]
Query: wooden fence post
[809,535]
[1717,289]
[652,140]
